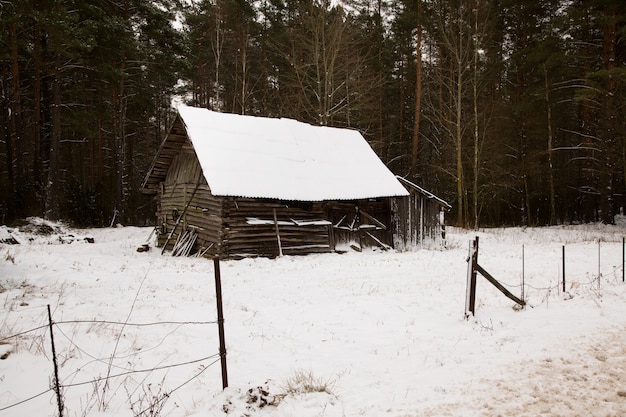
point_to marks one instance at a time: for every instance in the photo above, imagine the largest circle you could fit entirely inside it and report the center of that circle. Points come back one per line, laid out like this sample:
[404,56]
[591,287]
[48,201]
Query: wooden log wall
[250,229]
[239,227]
[374,217]
[204,214]
[203,210]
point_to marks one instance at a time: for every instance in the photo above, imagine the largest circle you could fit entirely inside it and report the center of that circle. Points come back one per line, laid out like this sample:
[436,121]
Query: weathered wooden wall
[417,222]
[254,227]
[364,223]
[168,151]
[185,187]
[203,214]
[242,227]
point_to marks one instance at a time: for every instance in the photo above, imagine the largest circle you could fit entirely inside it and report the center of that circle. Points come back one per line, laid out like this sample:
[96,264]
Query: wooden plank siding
[362,222]
[250,229]
[244,227]
[238,227]
[418,222]
[169,149]
[204,214]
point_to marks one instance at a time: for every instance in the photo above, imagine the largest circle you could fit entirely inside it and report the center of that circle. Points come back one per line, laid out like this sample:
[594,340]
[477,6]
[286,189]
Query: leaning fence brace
[472,268]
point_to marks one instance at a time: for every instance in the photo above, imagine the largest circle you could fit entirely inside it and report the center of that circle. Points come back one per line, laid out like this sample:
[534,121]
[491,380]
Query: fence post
[563,269]
[57,388]
[470,298]
[623,256]
[523,272]
[599,273]
[220,321]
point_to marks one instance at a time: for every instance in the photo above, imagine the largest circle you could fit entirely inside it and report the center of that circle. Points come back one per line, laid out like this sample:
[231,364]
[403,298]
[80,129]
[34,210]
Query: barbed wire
[96,380]
[126,371]
[142,412]
[26,400]
[553,287]
[140,371]
[23,333]
[156,323]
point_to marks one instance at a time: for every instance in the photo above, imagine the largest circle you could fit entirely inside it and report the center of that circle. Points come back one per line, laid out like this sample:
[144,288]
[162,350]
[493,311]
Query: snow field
[382,333]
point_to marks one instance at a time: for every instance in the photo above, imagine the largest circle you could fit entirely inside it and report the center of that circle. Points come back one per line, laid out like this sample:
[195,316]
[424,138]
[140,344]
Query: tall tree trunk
[606,186]
[119,145]
[217,53]
[15,115]
[37,132]
[418,92]
[100,145]
[5,137]
[384,142]
[550,150]
[53,188]
[476,127]
[588,166]
[460,186]
[244,69]
[119,129]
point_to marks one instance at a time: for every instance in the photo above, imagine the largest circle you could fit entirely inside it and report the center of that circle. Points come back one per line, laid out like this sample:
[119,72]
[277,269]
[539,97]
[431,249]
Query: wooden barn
[237,186]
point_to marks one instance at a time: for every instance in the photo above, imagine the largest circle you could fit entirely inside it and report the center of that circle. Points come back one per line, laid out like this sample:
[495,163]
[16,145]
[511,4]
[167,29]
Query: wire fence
[152,402]
[60,388]
[602,263]
[601,266]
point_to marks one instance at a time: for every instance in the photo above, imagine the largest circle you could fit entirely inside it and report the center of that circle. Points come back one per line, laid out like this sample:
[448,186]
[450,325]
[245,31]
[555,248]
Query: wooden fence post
[563,269]
[523,273]
[220,321]
[470,299]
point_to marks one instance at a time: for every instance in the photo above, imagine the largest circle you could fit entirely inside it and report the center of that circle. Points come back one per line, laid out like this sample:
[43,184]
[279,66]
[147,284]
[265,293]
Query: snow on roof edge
[427,193]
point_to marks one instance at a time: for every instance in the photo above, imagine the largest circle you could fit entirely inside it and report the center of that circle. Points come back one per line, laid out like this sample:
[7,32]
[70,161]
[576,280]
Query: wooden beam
[498,285]
[376,222]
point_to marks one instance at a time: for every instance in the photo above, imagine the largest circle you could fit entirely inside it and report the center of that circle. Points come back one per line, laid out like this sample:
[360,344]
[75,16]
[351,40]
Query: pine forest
[513,111]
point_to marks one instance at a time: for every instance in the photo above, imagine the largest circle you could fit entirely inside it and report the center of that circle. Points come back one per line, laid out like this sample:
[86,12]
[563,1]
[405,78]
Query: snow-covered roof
[257,157]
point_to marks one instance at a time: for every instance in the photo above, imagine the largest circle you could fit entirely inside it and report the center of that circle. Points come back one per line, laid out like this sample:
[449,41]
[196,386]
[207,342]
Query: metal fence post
[563,269]
[220,321]
[57,387]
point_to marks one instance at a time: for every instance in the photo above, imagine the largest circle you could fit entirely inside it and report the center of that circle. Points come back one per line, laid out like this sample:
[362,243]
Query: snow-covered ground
[356,334]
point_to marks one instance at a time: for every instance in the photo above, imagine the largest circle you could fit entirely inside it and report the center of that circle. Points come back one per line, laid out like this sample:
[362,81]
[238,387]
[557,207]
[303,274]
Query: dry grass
[304,382]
